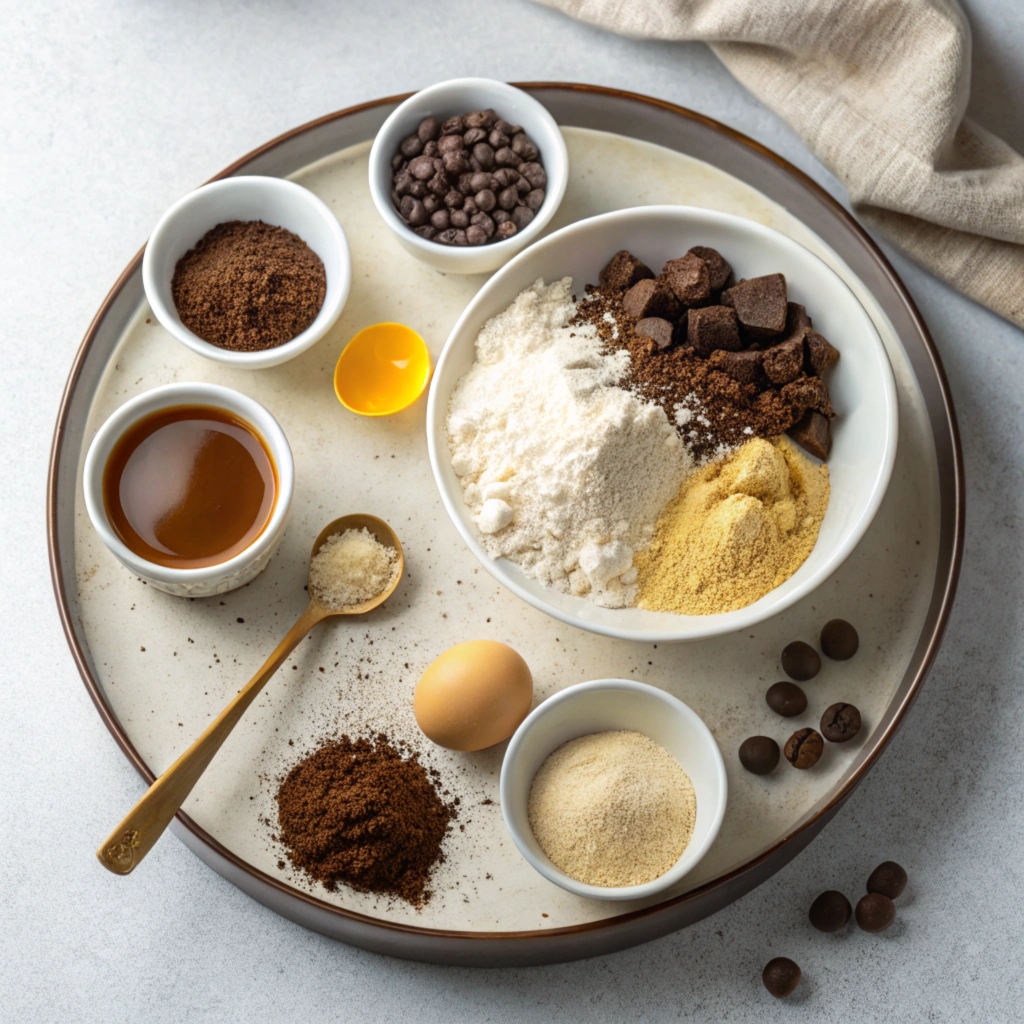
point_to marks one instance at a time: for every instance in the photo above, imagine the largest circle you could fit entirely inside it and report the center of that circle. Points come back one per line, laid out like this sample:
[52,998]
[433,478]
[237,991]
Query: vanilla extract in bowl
[189,486]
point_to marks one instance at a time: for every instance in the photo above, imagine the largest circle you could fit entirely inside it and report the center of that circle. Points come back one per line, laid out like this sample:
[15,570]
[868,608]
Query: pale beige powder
[612,809]
[350,568]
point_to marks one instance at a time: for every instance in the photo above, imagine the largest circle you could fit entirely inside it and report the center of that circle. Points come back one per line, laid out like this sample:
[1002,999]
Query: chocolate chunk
[841,722]
[830,911]
[813,434]
[742,366]
[658,330]
[623,271]
[800,661]
[759,754]
[798,323]
[786,699]
[719,270]
[804,748]
[839,640]
[820,354]
[784,363]
[689,279]
[760,304]
[651,298]
[807,393]
[875,912]
[712,327]
[888,879]
[781,977]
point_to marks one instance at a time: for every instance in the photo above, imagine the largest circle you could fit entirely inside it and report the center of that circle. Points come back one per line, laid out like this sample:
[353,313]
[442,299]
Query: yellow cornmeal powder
[737,529]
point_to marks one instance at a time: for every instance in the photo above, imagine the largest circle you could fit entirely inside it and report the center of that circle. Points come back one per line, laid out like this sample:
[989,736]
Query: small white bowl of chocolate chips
[467,173]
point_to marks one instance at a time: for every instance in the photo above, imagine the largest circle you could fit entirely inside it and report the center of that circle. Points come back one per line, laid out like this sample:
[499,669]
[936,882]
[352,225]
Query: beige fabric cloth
[877,89]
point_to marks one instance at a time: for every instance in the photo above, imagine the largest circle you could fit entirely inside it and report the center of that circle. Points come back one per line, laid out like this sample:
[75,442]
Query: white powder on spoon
[564,470]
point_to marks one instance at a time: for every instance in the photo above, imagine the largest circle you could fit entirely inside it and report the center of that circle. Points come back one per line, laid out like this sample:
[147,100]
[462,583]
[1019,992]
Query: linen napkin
[877,89]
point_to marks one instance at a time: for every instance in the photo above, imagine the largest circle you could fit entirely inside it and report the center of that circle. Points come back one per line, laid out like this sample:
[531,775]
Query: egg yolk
[382,370]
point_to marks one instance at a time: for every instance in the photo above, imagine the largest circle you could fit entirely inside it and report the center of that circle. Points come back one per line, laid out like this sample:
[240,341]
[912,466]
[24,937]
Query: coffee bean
[429,129]
[786,699]
[485,200]
[422,168]
[485,222]
[534,174]
[484,156]
[535,199]
[830,911]
[841,722]
[521,216]
[523,186]
[505,176]
[839,640]
[498,139]
[875,912]
[506,229]
[781,976]
[800,661]
[803,748]
[473,136]
[524,147]
[476,235]
[759,754]
[506,157]
[481,119]
[450,144]
[888,879]
[411,146]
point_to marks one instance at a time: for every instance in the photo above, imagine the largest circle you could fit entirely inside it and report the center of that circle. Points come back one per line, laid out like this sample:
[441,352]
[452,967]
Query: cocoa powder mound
[248,286]
[711,411]
[360,813]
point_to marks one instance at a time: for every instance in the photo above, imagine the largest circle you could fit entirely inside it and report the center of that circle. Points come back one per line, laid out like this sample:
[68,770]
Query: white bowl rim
[325,319]
[713,625]
[677,871]
[188,393]
[488,87]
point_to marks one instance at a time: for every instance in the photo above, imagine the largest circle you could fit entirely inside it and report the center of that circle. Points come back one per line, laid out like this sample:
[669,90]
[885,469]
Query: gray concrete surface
[110,111]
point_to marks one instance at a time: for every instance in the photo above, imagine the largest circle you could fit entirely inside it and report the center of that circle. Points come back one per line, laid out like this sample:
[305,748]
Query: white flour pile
[564,471]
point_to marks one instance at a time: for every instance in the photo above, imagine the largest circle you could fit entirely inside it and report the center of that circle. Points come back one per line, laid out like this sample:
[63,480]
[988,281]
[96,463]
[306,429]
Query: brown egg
[474,695]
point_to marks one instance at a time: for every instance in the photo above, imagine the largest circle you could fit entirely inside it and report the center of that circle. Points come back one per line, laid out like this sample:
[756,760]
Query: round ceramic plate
[159,668]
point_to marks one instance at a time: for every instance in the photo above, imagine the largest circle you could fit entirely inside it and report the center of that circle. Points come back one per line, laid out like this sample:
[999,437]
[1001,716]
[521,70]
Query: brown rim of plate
[949,586]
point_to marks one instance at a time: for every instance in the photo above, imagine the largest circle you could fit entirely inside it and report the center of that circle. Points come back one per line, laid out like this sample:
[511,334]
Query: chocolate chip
[534,174]
[688,277]
[453,126]
[439,219]
[804,748]
[476,235]
[651,298]
[820,354]
[411,146]
[431,149]
[813,433]
[786,699]
[800,661]
[760,304]
[506,157]
[455,163]
[712,327]
[459,218]
[622,272]
[744,367]
[875,912]
[422,168]
[719,270]
[497,139]
[839,640]
[505,176]
[658,330]
[521,216]
[841,722]
[759,754]
[428,231]
[506,229]
[535,199]
[485,200]
[806,393]
[524,148]
[429,129]
[785,362]
[888,879]
[473,136]
[781,977]
[418,189]
[481,119]
[830,911]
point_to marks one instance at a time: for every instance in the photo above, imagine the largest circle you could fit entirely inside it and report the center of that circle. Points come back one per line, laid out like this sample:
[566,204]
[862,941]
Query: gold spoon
[146,821]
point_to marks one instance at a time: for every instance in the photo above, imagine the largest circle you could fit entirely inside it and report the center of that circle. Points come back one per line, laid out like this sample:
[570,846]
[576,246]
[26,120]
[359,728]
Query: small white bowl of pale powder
[613,789]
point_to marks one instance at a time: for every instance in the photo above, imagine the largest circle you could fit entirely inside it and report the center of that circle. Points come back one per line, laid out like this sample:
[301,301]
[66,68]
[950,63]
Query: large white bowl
[861,385]
[448,99]
[601,706]
[210,579]
[274,201]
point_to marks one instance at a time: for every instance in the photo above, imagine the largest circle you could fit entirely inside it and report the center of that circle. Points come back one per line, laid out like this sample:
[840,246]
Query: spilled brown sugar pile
[248,286]
[359,813]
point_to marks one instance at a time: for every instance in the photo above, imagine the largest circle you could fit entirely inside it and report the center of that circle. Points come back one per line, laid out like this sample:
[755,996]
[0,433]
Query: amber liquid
[189,486]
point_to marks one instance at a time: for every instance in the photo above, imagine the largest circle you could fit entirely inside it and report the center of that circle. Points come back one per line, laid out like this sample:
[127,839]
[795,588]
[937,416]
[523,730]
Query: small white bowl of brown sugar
[613,789]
